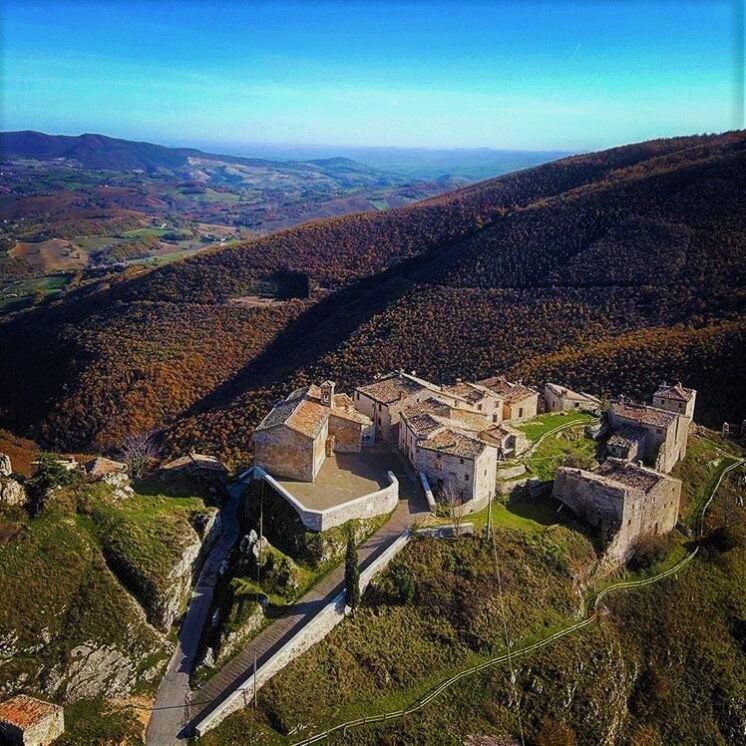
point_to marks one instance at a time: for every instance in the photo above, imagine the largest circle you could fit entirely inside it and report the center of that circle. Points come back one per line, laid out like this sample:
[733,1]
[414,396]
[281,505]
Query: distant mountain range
[100,152]
[455,164]
[411,164]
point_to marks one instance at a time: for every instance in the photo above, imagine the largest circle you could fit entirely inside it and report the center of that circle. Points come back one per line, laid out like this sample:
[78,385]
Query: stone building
[484,400]
[27,721]
[508,441]
[675,398]
[561,399]
[384,399]
[622,499]
[657,436]
[444,442]
[519,402]
[196,464]
[294,439]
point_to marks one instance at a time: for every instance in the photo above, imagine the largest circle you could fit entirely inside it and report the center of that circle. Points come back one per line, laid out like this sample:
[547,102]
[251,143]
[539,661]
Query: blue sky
[574,75]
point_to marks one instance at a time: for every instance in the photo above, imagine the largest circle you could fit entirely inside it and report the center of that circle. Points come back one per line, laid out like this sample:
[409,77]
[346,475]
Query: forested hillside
[610,271]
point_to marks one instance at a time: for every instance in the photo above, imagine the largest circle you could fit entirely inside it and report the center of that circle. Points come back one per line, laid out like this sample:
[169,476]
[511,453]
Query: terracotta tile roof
[643,414]
[307,418]
[195,461]
[422,424]
[472,392]
[454,443]
[495,435]
[101,466]
[510,393]
[305,392]
[349,413]
[302,411]
[431,405]
[676,392]
[24,711]
[395,387]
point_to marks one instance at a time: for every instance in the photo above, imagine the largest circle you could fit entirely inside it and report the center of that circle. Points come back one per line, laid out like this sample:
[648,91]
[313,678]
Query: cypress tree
[352,574]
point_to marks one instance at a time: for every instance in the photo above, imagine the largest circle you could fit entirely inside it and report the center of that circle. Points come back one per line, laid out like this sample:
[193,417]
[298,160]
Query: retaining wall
[367,506]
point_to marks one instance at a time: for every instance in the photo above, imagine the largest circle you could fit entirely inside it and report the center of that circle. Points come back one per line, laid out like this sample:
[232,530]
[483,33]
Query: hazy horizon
[528,76]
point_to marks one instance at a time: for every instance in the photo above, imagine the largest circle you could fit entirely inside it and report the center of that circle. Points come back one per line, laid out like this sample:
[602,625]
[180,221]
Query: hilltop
[613,269]
[100,152]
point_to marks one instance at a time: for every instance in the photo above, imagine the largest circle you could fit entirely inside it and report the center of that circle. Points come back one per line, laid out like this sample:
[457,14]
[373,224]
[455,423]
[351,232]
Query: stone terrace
[345,476]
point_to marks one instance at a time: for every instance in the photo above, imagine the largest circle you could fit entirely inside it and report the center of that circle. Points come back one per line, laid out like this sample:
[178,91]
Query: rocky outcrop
[231,641]
[12,492]
[169,603]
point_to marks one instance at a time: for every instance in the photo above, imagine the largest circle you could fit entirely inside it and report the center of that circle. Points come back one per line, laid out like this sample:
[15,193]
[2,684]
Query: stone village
[331,457]
[318,449]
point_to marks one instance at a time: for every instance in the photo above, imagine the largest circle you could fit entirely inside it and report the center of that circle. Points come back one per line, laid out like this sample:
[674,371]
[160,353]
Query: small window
[520,412]
[466,477]
[494,417]
[461,461]
[479,407]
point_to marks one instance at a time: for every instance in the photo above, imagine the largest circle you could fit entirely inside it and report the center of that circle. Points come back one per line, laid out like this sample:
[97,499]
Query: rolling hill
[611,270]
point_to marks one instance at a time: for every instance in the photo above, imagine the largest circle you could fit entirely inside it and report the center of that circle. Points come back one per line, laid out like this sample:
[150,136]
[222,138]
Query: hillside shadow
[322,327]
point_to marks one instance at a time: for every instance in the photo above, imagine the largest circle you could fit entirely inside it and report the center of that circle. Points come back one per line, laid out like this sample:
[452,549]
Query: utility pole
[255,700]
[489,517]
[261,531]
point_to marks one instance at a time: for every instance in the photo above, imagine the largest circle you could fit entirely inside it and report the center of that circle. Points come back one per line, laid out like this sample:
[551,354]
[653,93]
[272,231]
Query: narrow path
[170,706]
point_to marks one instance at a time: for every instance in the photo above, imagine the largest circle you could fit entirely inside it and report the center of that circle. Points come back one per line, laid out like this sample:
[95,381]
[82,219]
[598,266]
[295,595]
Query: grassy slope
[665,665]
[63,587]
[63,591]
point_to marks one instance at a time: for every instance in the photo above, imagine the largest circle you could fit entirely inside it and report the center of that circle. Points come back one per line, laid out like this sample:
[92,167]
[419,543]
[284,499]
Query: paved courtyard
[345,476]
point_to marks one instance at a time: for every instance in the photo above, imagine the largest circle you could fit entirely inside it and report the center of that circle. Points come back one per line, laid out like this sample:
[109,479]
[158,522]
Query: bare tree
[138,452]
[451,498]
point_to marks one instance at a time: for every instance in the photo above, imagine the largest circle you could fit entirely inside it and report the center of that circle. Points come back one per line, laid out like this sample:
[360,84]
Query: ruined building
[622,499]
[561,399]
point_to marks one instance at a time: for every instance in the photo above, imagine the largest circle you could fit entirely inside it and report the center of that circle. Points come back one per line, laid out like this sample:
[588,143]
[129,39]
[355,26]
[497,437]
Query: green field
[567,447]
[544,423]
[24,289]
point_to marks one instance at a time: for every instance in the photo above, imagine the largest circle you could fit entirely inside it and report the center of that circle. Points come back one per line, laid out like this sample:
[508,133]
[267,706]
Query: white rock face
[94,670]
[12,492]
[167,608]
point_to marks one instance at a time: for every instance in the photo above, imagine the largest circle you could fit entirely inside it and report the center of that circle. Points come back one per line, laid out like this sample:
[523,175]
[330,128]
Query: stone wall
[522,410]
[597,504]
[367,506]
[285,453]
[348,434]
[314,631]
[473,481]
